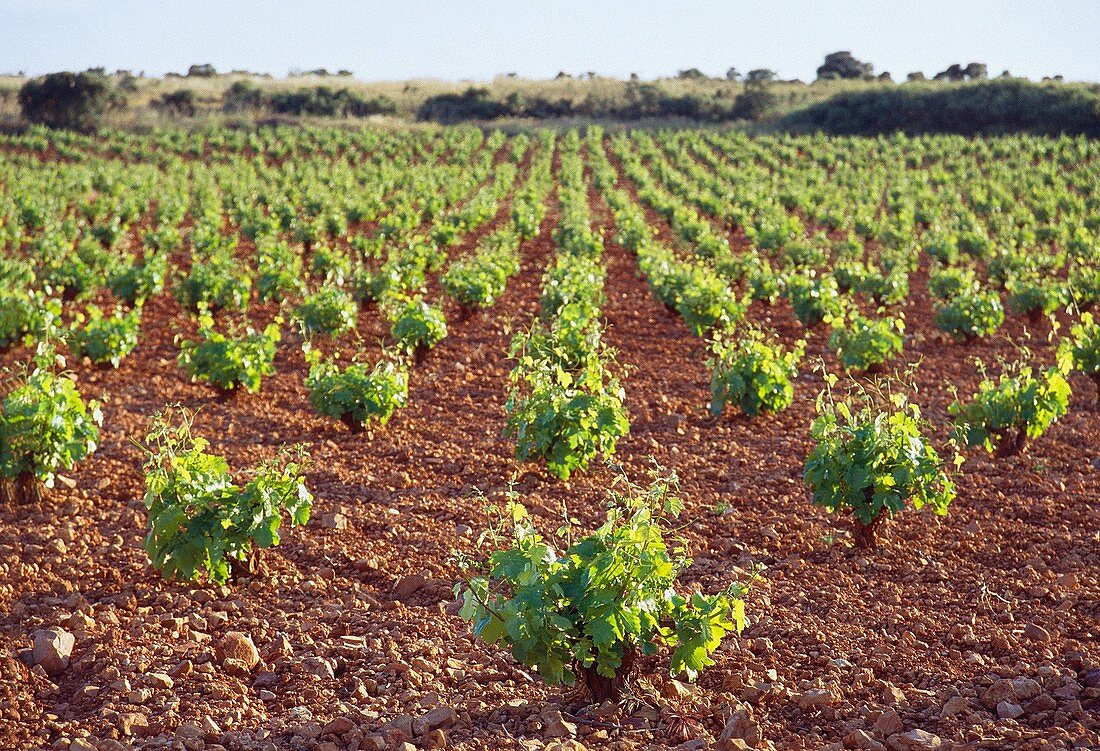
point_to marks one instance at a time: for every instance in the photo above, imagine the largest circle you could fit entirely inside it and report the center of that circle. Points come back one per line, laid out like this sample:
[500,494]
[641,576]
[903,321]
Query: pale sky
[387,40]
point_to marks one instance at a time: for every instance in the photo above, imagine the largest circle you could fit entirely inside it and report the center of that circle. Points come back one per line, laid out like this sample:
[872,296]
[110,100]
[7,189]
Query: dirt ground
[954,625]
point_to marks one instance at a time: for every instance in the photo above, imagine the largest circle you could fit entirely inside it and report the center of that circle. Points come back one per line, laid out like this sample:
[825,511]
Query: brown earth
[355,625]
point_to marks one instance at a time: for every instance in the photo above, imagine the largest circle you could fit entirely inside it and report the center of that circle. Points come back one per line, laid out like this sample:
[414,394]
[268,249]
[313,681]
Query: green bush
[814,298]
[358,393]
[870,458]
[330,310]
[73,101]
[416,326]
[216,281]
[1082,349]
[199,520]
[866,344]
[609,598]
[971,314]
[752,373]
[45,427]
[240,359]
[1019,406]
[566,416]
[106,339]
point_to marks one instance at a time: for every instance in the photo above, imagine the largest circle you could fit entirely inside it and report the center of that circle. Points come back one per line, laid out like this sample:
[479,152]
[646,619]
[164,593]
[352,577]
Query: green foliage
[1032,296]
[416,325]
[45,425]
[751,372]
[814,298]
[329,310]
[228,361]
[610,595]
[216,281]
[971,314]
[107,339]
[278,269]
[567,414]
[358,393]
[1020,405]
[870,458]
[133,283]
[199,520]
[1083,345]
[866,344]
[74,101]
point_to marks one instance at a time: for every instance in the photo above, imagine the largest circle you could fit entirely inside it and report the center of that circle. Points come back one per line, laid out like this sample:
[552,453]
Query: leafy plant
[591,610]
[1019,406]
[814,298]
[871,458]
[199,520]
[133,282]
[358,393]
[971,314]
[416,326]
[1082,349]
[567,416]
[866,344]
[751,372]
[45,427]
[329,310]
[228,361]
[107,339]
[215,281]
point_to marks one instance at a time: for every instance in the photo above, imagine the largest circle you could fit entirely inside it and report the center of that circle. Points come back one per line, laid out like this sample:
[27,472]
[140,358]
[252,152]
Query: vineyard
[451,438]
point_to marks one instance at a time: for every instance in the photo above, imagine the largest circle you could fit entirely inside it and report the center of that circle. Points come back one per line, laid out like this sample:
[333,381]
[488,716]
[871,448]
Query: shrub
[416,326]
[566,416]
[971,314]
[870,458]
[45,427]
[134,283]
[358,393]
[814,298]
[199,520]
[107,339]
[1034,297]
[73,101]
[865,344]
[18,313]
[590,611]
[1082,349]
[330,310]
[752,373]
[239,359]
[1019,406]
[215,282]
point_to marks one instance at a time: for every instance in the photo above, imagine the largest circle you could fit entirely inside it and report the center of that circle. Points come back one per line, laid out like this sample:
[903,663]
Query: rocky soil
[976,630]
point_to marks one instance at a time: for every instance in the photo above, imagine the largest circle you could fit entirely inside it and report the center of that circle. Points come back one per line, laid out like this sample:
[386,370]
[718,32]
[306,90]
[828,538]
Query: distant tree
[954,72]
[916,76]
[1005,74]
[692,74]
[206,70]
[74,101]
[976,71]
[843,65]
[733,74]
[757,100]
[760,75]
[344,73]
[179,103]
[562,74]
[634,77]
[885,77]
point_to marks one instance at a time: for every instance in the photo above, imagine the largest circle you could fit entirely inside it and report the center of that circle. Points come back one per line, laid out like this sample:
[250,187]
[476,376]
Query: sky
[468,40]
